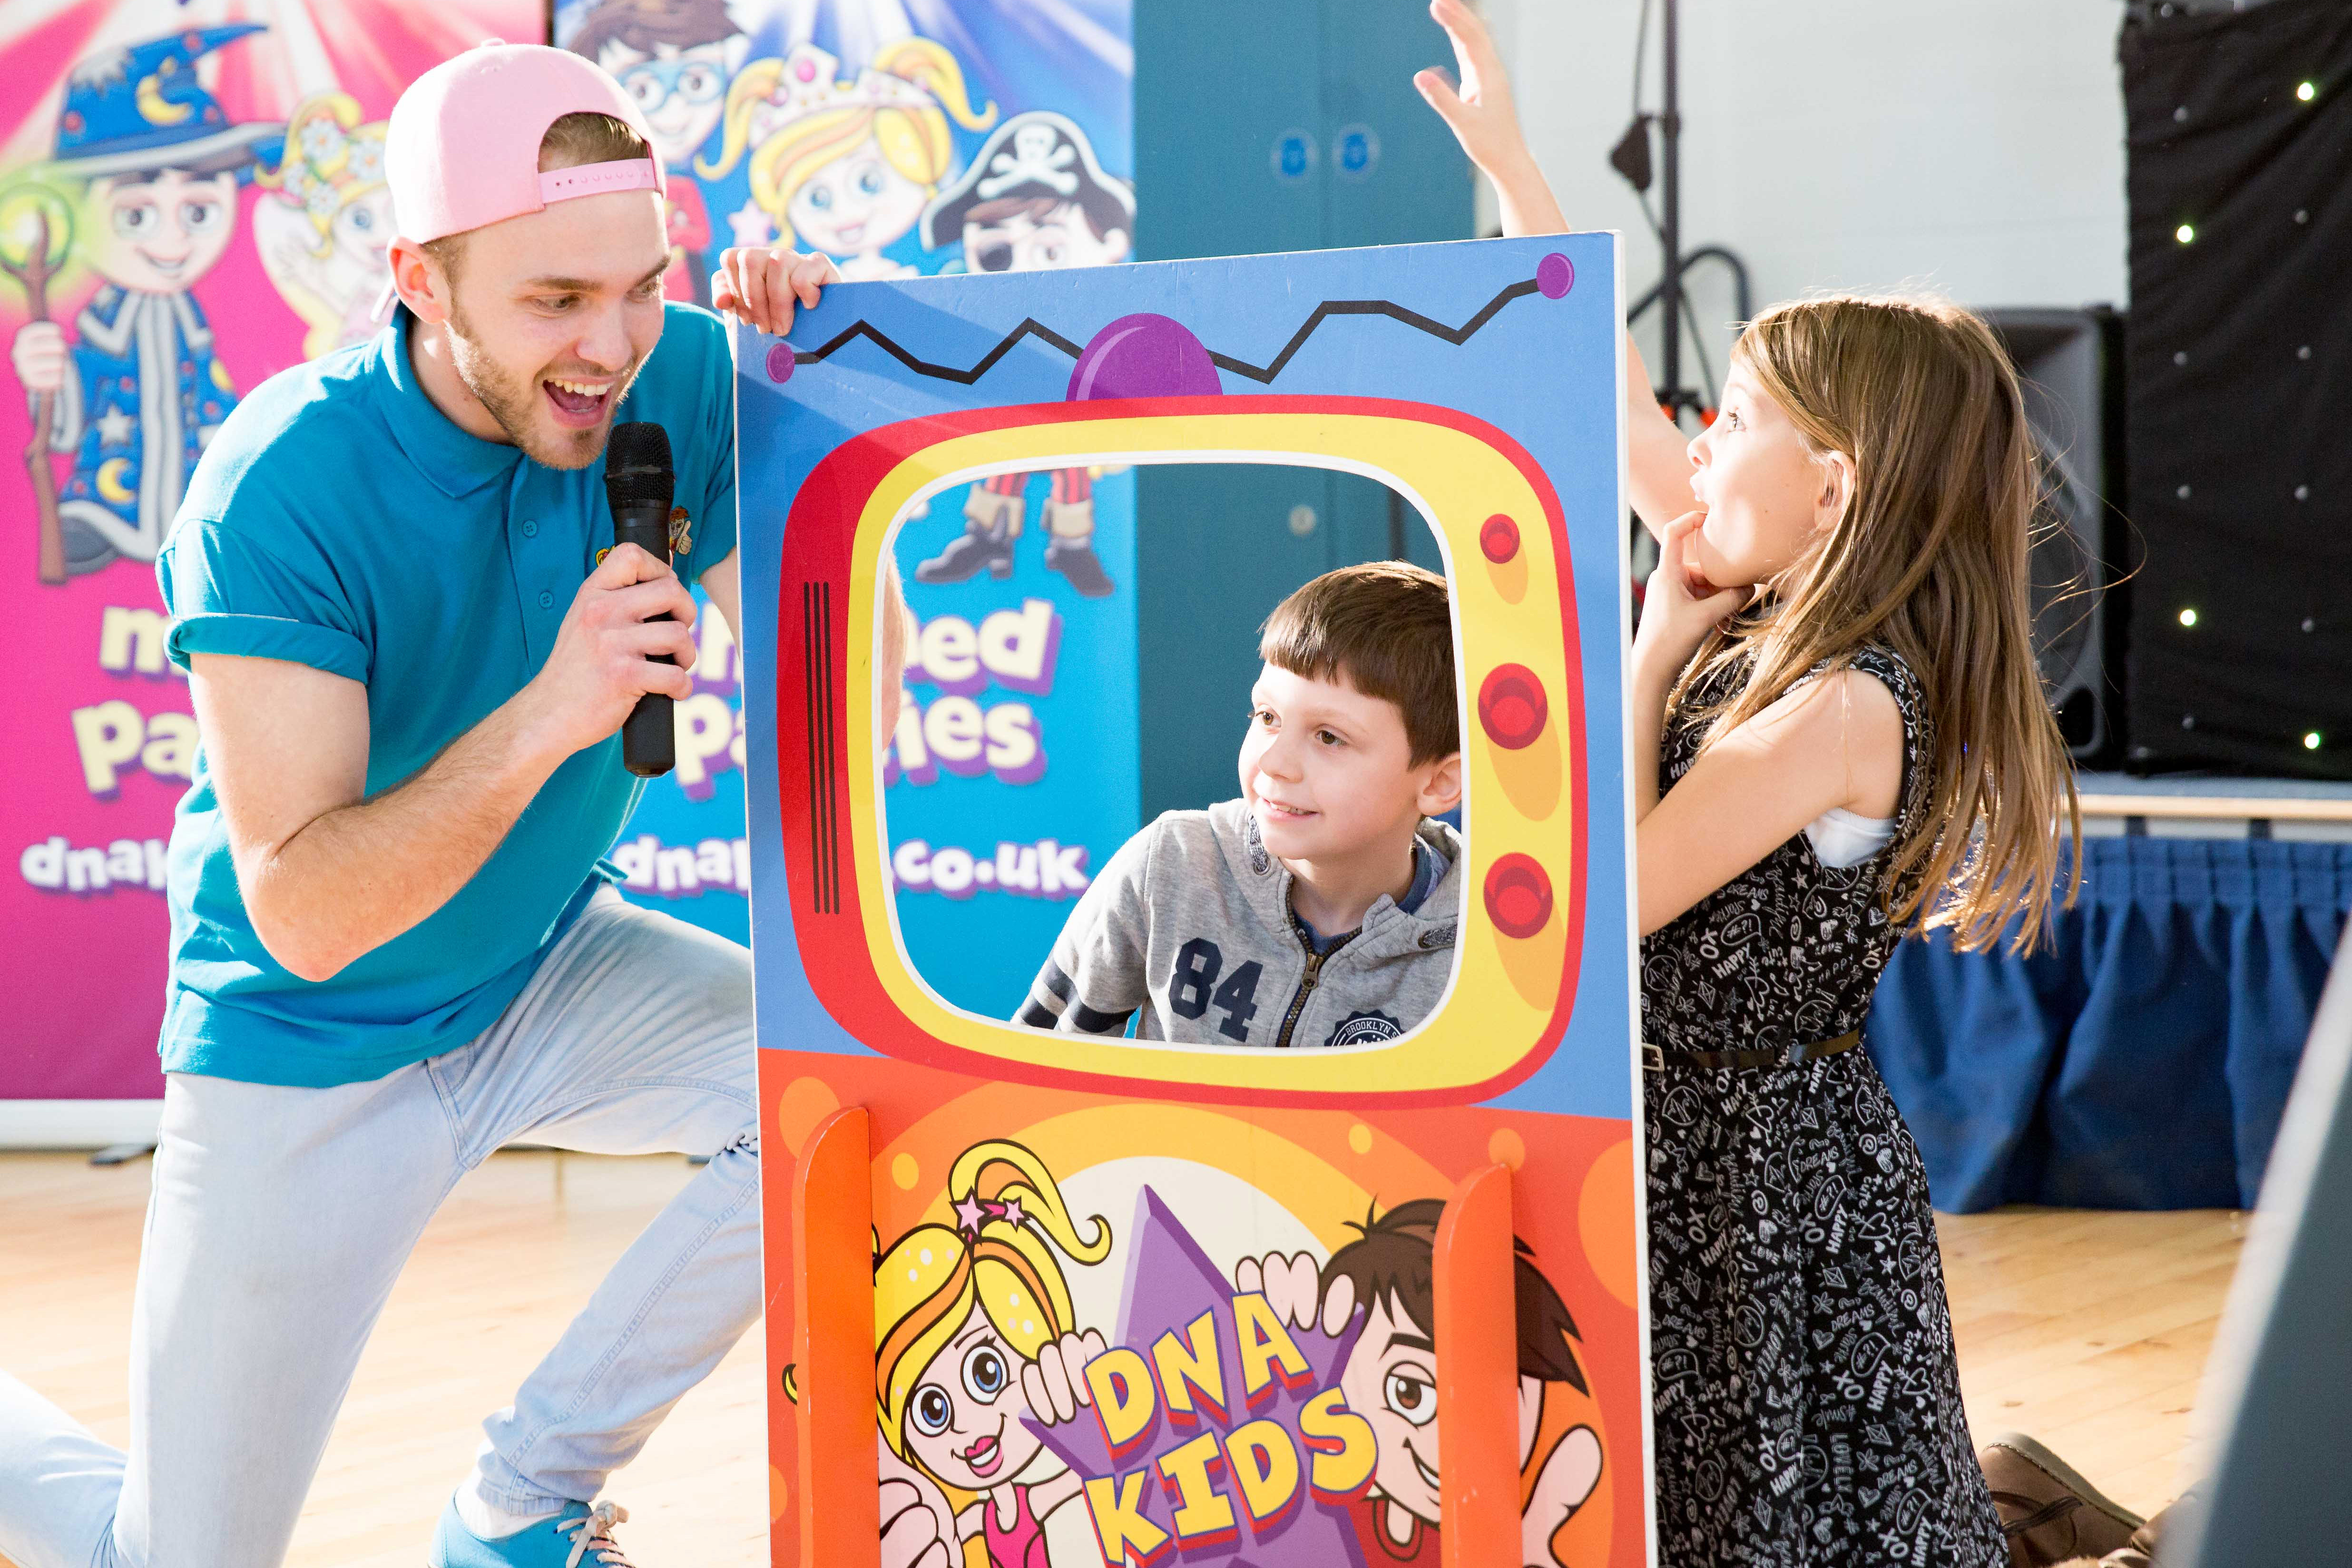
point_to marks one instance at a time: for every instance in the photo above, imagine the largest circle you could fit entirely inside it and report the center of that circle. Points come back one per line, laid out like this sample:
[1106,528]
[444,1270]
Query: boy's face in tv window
[1021,243]
[1328,772]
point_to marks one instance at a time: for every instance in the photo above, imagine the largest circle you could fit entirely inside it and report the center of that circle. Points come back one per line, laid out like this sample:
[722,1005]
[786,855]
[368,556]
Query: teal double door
[1261,126]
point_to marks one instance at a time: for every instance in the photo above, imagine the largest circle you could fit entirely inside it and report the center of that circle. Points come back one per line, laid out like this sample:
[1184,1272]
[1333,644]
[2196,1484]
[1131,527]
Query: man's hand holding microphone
[631,611]
[626,646]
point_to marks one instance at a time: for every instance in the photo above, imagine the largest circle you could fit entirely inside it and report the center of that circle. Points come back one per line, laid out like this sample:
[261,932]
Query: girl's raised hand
[762,285]
[1680,605]
[1477,108]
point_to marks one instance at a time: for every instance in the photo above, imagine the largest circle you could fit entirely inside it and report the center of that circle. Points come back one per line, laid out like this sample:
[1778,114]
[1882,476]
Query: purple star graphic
[1169,1283]
[1011,1210]
[969,1214]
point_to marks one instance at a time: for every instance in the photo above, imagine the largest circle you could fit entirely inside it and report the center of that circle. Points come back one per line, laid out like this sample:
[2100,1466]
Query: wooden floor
[2089,1330]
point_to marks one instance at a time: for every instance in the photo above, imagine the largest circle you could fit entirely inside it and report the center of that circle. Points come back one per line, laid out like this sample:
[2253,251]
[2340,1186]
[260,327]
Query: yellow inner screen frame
[1518,800]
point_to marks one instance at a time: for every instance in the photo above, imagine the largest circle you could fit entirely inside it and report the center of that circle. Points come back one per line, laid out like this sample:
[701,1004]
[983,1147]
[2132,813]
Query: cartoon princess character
[321,238]
[973,1330]
[839,166]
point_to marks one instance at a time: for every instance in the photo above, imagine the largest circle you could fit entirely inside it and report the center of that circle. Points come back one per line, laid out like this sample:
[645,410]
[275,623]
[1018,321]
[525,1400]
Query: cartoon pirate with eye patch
[136,398]
[1034,200]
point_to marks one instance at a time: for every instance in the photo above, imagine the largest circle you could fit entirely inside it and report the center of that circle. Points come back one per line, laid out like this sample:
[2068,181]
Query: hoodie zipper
[1307,984]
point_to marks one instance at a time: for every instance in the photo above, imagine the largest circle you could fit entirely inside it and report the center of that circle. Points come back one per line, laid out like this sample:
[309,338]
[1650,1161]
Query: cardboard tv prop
[1069,1299]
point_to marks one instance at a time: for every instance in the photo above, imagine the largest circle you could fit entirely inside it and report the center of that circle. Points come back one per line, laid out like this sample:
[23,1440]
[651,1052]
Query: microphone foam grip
[637,468]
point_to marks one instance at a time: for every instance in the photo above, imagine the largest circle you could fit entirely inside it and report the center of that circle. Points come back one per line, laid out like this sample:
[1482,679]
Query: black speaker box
[2069,364]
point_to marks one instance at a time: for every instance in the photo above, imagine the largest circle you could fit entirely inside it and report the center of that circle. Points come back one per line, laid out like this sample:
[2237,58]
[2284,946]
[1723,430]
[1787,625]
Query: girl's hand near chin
[1680,605]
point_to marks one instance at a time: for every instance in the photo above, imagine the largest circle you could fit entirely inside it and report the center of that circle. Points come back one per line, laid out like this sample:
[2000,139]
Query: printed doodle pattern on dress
[1807,1397]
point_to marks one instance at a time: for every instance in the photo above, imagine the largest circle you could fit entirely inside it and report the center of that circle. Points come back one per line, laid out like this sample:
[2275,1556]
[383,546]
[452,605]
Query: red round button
[1512,707]
[1498,539]
[1519,896]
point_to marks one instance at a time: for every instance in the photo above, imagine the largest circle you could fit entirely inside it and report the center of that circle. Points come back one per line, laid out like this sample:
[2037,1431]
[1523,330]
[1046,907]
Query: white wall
[1974,147]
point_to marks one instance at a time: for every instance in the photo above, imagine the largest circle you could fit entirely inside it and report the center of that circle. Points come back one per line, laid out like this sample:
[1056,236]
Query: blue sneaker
[579,1537]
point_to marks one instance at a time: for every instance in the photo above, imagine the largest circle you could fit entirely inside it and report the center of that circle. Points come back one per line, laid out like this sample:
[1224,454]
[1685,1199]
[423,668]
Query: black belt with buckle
[1656,1058]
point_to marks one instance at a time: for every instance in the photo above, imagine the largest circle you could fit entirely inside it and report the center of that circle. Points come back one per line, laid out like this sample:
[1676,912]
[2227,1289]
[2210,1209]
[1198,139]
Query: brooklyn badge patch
[1365,1029]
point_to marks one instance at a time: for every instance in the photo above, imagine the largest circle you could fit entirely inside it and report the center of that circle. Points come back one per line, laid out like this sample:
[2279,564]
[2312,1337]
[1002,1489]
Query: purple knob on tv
[1144,355]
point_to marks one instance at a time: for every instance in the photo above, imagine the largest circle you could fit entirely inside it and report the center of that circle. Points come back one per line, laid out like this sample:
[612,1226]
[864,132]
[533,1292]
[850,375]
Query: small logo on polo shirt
[681,535]
[1365,1029]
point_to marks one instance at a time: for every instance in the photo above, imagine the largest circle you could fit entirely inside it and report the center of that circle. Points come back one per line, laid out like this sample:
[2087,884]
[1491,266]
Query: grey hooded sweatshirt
[1190,923]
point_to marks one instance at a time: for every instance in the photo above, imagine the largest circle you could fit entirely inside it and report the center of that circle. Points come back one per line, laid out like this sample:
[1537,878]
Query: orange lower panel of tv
[1134,1331]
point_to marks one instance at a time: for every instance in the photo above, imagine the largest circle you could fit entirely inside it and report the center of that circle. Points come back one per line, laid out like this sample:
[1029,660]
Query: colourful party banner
[192,199]
[903,140]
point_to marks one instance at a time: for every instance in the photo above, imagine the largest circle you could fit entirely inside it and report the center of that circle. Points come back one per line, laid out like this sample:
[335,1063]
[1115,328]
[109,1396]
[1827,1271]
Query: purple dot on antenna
[1555,275]
[779,363]
[1144,355]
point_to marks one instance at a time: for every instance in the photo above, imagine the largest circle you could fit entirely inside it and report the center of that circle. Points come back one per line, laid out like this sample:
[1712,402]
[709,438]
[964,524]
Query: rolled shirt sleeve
[228,594]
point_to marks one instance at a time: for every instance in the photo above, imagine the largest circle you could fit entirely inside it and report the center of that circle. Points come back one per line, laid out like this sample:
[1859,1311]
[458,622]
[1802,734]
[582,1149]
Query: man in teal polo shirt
[394,946]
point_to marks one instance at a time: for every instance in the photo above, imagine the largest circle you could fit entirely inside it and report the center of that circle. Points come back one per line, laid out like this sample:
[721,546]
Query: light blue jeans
[282,1217]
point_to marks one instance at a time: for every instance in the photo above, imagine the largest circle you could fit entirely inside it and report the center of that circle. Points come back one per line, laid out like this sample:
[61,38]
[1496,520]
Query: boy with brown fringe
[1320,908]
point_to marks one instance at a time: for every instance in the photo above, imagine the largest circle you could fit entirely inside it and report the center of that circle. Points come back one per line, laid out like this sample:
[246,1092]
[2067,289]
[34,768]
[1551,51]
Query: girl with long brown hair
[1840,738]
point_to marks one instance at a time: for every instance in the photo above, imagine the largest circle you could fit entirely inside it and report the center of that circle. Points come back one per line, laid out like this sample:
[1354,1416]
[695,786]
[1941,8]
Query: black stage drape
[2240,388]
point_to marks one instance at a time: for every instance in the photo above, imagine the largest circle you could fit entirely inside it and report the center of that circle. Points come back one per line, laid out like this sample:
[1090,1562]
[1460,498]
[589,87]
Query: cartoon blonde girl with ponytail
[845,167]
[972,1329]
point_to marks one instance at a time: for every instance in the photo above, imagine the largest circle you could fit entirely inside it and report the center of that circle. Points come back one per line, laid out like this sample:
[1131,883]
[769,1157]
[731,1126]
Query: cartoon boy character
[322,237]
[137,398]
[1034,200]
[845,167]
[973,1330]
[676,59]
[1391,1378]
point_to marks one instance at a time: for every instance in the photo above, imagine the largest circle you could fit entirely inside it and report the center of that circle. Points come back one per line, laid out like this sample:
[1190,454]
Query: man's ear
[1441,792]
[1115,241]
[423,287]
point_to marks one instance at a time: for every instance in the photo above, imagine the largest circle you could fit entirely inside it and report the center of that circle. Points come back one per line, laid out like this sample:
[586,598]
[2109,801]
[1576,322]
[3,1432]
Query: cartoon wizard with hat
[1035,199]
[139,395]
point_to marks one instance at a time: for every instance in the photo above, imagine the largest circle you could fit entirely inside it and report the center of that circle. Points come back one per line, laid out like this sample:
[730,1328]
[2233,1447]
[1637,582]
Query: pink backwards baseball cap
[462,147]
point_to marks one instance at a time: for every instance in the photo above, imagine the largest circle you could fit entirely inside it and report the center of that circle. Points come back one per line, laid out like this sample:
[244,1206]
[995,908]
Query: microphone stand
[1673,303]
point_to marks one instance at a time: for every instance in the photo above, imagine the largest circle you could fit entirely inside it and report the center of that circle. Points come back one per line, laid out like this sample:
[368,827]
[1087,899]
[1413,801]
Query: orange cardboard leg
[1477,1373]
[833,1343]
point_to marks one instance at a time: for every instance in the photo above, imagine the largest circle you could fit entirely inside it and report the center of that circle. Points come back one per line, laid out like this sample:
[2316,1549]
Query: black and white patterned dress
[1807,1397]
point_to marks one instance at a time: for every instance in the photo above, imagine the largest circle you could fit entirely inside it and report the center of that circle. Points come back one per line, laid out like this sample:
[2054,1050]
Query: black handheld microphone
[639,483]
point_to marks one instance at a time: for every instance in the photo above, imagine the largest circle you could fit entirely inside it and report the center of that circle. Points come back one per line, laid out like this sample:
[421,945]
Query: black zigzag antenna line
[1456,336]
[1262,374]
[1030,327]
